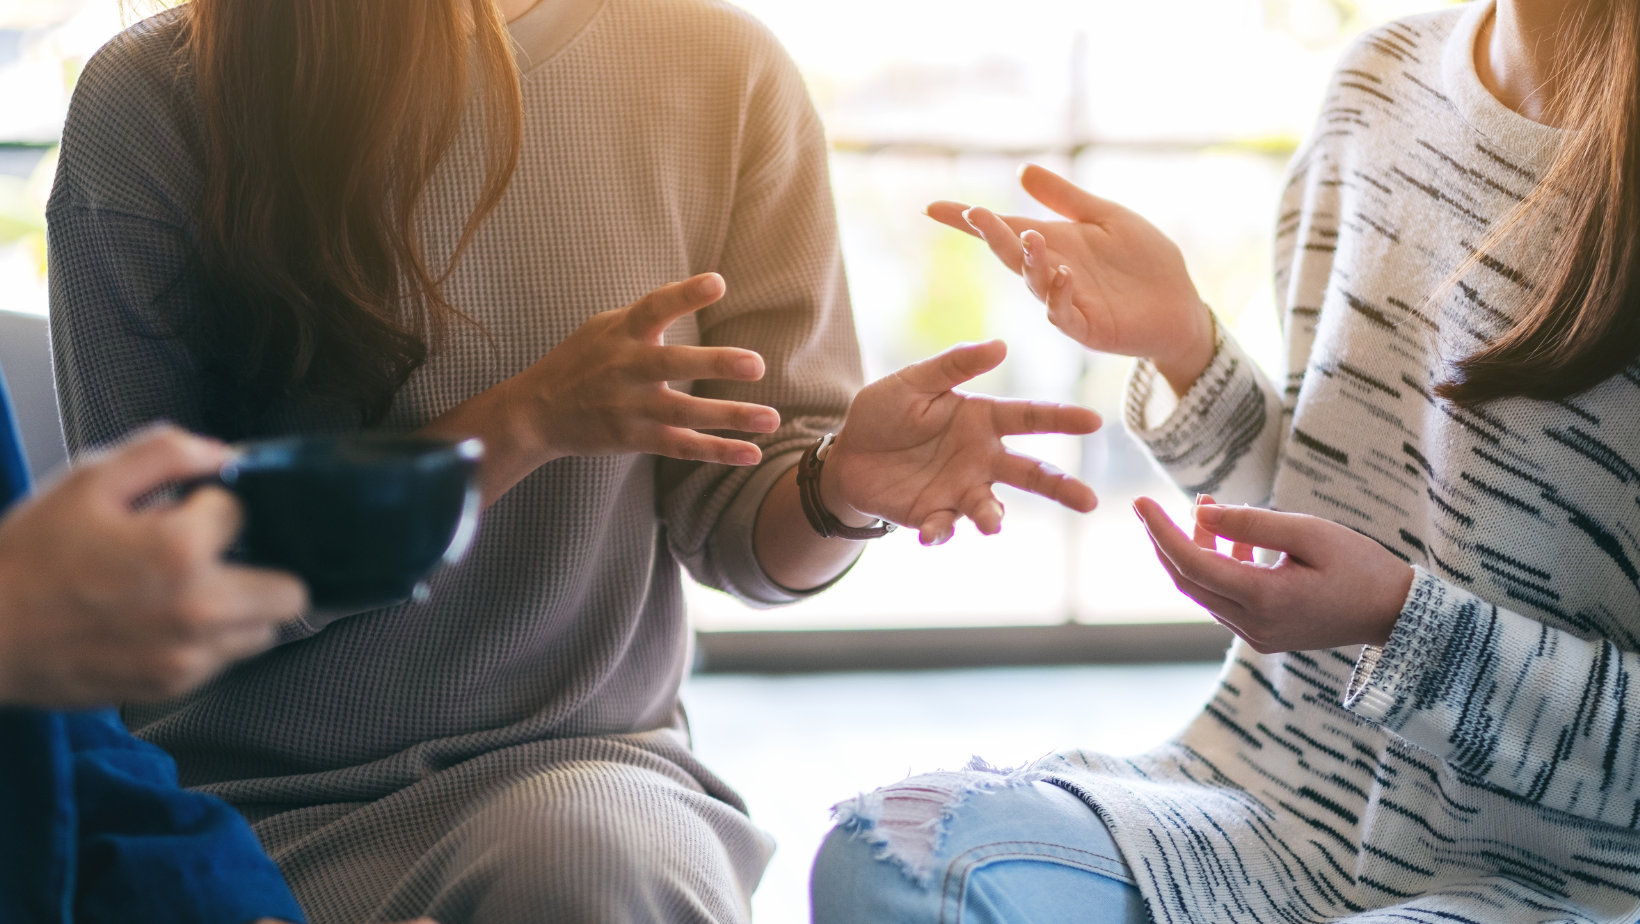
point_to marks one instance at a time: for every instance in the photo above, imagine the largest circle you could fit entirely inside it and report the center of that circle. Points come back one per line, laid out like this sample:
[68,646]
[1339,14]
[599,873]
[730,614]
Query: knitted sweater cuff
[733,542]
[1223,436]
[1382,687]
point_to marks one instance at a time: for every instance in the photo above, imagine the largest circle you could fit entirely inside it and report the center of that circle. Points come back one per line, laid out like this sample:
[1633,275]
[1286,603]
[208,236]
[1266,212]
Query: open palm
[1110,279]
[918,452]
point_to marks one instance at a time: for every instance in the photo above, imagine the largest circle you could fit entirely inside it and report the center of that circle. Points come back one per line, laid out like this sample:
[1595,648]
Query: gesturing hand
[916,451]
[1111,280]
[101,603]
[1332,586]
[603,391]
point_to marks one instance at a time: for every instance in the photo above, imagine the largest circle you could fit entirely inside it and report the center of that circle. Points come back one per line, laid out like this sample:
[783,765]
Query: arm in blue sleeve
[151,851]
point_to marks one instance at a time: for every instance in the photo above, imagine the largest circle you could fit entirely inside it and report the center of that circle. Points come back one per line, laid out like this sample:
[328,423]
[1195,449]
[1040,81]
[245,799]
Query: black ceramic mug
[363,519]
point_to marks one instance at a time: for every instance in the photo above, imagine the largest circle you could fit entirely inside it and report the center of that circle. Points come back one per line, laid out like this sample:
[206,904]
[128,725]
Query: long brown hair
[1581,323]
[323,122]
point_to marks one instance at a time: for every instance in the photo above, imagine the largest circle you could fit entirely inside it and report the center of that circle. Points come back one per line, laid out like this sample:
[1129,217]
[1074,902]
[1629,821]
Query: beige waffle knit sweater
[512,748]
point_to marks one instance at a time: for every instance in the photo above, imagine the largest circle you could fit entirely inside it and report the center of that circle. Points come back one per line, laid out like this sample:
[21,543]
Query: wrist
[1398,589]
[1182,369]
[832,491]
[506,423]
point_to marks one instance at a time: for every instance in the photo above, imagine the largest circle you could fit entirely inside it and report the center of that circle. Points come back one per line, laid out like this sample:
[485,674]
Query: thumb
[1265,529]
[161,456]
[965,361]
[1063,196]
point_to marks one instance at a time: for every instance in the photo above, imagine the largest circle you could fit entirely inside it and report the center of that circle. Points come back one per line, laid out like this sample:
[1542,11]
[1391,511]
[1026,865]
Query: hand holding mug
[1112,282]
[101,602]
[917,451]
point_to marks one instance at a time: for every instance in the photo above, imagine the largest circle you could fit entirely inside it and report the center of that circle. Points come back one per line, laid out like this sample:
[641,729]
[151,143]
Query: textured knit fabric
[1484,765]
[511,749]
[95,830]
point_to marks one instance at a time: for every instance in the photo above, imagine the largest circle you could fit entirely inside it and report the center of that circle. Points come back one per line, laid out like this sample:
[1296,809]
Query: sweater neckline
[1532,143]
[548,28]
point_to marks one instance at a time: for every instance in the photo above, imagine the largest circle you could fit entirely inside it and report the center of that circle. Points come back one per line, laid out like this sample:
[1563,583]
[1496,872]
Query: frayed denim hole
[906,822]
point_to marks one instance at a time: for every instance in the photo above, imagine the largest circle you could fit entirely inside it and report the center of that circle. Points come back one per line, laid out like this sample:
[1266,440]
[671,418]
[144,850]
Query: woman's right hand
[1111,280]
[603,391]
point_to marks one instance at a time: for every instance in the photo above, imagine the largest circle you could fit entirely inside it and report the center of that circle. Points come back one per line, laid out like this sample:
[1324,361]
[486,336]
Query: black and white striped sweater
[1485,764]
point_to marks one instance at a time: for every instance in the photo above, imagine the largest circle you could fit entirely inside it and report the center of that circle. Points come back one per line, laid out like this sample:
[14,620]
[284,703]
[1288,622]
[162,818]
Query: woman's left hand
[916,451]
[1332,586]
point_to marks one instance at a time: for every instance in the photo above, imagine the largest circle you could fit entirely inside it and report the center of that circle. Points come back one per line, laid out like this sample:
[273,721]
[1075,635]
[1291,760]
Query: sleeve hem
[734,541]
[1378,688]
[1224,435]
[1144,396]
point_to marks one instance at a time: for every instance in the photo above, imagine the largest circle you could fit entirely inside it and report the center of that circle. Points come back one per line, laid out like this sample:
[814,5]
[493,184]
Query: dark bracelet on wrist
[808,490]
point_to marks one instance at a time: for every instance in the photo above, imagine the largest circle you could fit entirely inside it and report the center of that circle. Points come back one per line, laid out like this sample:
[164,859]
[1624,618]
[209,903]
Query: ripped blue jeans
[978,846]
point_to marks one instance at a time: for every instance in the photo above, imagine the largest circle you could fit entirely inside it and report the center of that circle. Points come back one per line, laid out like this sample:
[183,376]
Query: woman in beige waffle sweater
[318,215]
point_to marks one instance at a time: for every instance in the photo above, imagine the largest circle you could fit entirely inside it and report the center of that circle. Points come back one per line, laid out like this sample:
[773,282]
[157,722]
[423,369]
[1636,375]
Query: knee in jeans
[905,823]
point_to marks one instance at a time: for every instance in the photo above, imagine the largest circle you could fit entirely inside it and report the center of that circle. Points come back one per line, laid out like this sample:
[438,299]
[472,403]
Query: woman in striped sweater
[1430,714]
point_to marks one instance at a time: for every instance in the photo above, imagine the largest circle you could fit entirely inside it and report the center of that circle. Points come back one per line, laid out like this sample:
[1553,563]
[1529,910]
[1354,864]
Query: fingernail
[1029,260]
[748,367]
[746,458]
[1062,276]
[1209,515]
[764,422]
[706,286]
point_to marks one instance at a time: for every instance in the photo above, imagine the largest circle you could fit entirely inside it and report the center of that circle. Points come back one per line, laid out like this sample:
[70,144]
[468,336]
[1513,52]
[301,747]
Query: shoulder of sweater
[1409,43]
[703,28]
[129,140]
[1406,49]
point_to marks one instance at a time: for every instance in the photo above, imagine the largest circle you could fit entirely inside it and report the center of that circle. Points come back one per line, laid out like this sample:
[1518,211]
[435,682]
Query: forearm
[790,552]
[1223,437]
[1551,741]
[510,454]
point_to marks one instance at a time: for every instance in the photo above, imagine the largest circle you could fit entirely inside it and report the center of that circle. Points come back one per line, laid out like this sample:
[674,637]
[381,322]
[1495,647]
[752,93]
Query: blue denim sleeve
[37,818]
[150,851]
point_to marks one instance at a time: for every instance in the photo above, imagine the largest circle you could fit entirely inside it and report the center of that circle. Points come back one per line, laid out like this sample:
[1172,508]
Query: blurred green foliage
[22,209]
[952,306]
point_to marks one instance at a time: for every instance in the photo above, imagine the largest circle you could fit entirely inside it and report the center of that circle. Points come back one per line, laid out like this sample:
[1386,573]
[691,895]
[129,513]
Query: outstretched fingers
[1221,608]
[1063,196]
[1040,478]
[1001,238]
[938,527]
[692,446]
[1201,535]
[688,363]
[1041,269]
[1218,573]
[680,409]
[1062,311]
[949,213]
[654,313]
[1016,416]
[965,361]
[1298,534]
